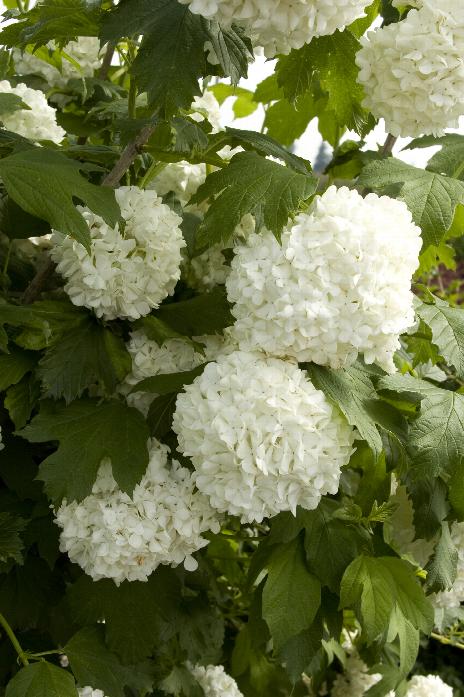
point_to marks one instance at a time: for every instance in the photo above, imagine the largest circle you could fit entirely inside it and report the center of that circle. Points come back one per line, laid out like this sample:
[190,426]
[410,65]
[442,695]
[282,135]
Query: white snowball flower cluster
[280,25]
[453,598]
[150,359]
[38,122]
[113,535]
[89,692]
[85,51]
[413,71]
[207,105]
[428,686]
[215,681]
[128,272]
[338,286]
[262,439]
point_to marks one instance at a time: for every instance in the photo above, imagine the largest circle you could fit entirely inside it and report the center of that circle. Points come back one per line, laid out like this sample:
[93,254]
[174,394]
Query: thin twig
[106,62]
[128,155]
[12,637]
[388,145]
[37,284]
[447,641]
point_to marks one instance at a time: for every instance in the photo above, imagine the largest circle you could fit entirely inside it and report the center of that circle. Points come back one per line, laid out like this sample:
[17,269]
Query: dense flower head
[280,25]
[89,692]
[428,686]
[38,122]
[85,51]
[128,272]
[215,681]
[413,71]
[339,285]
[452,598]
[173,356]
[262,439]
[113,535]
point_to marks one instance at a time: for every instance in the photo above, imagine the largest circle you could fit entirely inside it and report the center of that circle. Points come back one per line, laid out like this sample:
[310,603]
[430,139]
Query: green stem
[154,169]
[44,653]
[12,637]
[5,264]
[447,641]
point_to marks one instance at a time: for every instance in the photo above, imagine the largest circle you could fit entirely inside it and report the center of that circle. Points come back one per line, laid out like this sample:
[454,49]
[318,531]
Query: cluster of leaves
[269,601]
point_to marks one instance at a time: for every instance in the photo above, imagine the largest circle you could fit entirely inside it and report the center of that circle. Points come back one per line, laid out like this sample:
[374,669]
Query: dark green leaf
[110,429]
[232,49]
[291,595]
[14,366]
[160,415]
[11,544]
[91,354]
[93,664]
[447,326]
[44,183]
[203,314]
[42,680]
[41,323]
[250,184]
[20,400]
[10,102]
[431,198]
[167,384]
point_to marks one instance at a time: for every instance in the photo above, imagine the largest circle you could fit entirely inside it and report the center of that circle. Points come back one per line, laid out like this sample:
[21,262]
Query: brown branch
[127,157]
[388,145]
[106,62]
[37,284]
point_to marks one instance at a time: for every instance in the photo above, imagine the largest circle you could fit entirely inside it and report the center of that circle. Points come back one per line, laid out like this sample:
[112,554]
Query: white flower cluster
[85,51]
[413,71]
[453,598]
[38,122]
[338,286]
[150,359]
[280,25]
[215,681]
[89,692]
[262,439]
[128,272]
[113,535]
[428,686]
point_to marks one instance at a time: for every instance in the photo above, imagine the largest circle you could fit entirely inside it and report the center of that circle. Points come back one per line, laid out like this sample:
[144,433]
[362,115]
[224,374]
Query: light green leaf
[442,567]
[286,122]
[110,429]
[250,184]
[291,595]
[42,679]
[447,326]
[449,159]
[44,183]
[432,198]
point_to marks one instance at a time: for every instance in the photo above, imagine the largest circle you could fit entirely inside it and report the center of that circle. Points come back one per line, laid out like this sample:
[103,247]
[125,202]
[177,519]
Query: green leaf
[90,354]
[376,587]
[291,595]
[204,314]
[442,567]
[20,399]
[265,145]
[44,183]
[232,49]
[456,489]
[42,679]
[167,384]
[323,532]
[180,681]
[93,664]
[298,652]
[18,224]
[41,323]
[58,20]
[145,612]
[327,63]
[250,184]
[429,497]
[435,437]
[432,198]
[160,415]
[449,159]
[14,366]
[11,544]
[447,326]
[10,103]
[352,391]
[360,26]
[110,429]
[286,122]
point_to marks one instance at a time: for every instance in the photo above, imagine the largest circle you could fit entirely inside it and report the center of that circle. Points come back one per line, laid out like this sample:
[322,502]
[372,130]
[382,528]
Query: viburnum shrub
[232,418]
